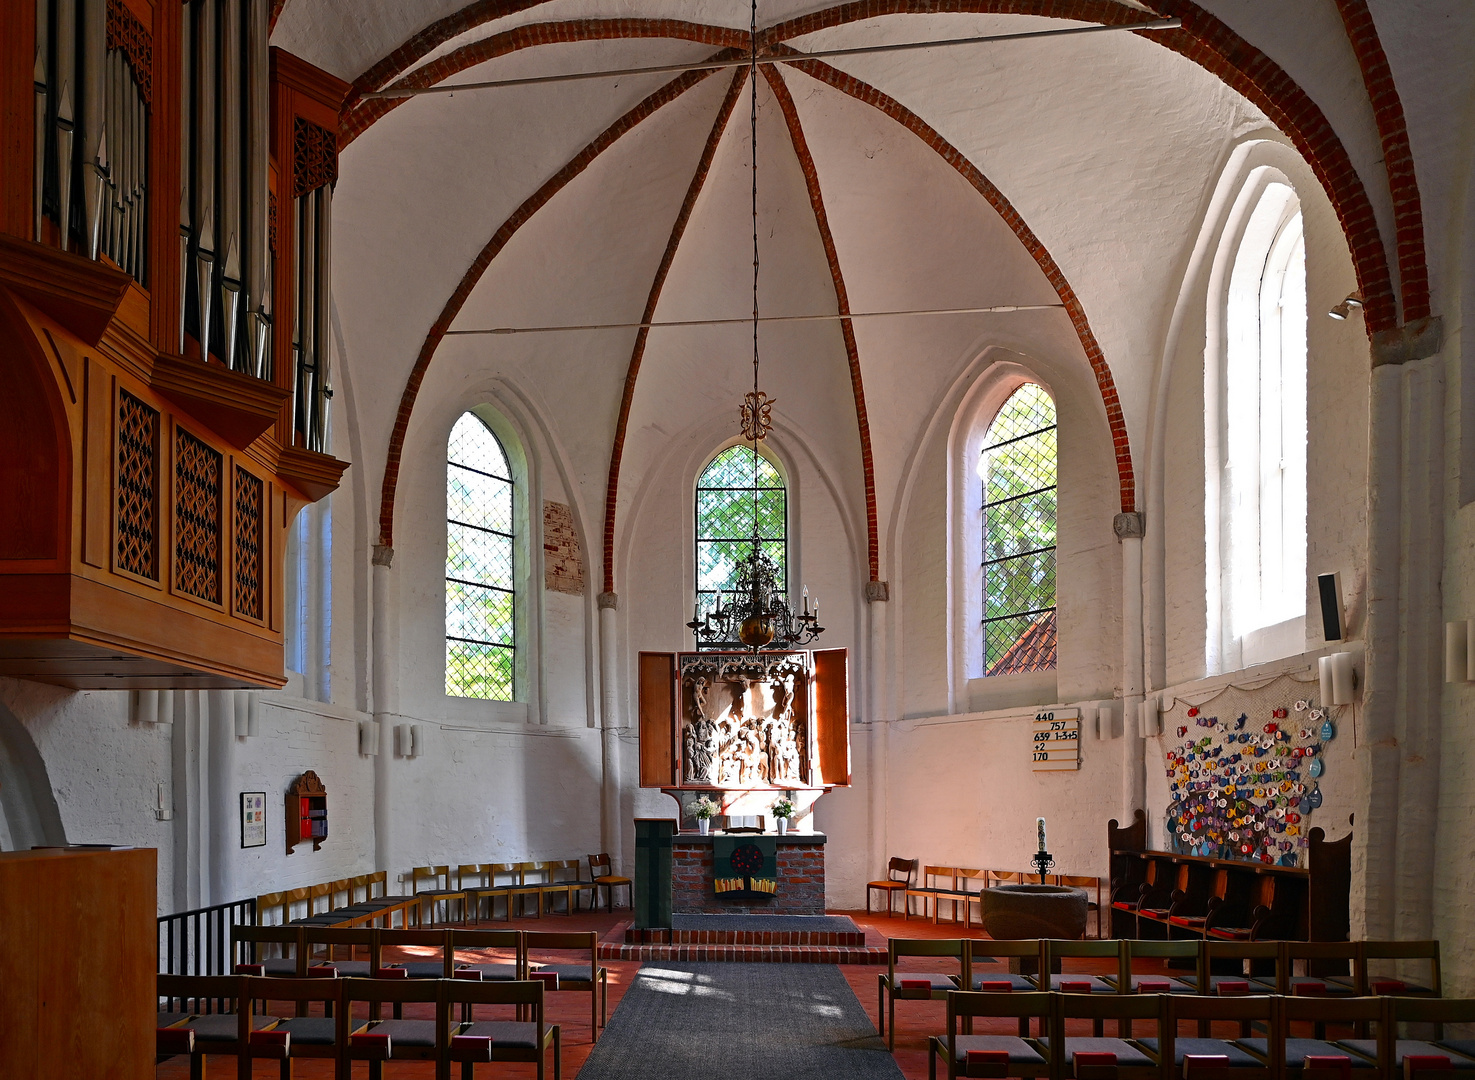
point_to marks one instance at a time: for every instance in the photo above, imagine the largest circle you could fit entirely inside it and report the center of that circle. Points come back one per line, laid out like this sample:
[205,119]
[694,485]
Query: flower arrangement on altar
[784,808]
[704,809]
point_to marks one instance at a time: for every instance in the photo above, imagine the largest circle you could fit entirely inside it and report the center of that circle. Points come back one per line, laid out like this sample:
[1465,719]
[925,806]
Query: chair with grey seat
[992,1055]
[376,1040]
[479,1040]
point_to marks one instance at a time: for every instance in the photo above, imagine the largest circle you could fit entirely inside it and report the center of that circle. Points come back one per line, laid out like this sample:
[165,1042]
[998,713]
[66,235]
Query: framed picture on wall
[253,819]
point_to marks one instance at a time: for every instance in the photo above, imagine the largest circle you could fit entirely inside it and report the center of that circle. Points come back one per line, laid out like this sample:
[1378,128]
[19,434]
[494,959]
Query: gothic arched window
[726,509]
[1018,470]
[481,596]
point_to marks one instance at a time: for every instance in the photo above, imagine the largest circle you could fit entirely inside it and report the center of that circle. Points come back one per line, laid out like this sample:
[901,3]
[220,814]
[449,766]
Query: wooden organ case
[165,208]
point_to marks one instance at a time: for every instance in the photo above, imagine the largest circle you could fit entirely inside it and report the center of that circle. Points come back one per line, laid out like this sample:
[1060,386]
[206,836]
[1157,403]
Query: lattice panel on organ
[316,151]
[138,503]
[197,508]
[250,497]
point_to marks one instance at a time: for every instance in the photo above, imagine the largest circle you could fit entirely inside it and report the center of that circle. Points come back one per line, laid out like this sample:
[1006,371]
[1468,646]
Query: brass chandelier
[758,615]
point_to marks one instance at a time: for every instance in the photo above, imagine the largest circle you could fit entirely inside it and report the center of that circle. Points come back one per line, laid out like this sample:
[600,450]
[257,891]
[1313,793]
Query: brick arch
[868,94]
[519,217]
[359,114]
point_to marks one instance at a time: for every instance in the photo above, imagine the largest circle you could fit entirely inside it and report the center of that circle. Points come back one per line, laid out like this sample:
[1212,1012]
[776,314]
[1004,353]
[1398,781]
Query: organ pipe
[229,207]
[94,90]
[42,81]
[186,126]
[64,80]
[257,220]
[203,165]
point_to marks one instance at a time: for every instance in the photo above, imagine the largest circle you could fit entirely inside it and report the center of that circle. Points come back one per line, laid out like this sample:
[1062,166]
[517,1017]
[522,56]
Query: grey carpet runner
[685,1021]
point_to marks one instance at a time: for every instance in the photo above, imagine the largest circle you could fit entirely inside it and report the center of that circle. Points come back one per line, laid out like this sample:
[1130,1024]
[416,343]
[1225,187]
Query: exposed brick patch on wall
[637,354]
[563,562]
[358,114]
[801,882]
[534,202]
[970,172]
[842,301]
[1398,157]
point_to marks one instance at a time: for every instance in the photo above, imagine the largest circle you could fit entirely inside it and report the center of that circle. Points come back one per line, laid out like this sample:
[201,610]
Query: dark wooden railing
[198,942]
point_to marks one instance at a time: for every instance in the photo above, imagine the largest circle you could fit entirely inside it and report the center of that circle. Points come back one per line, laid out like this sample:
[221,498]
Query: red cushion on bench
[549,979]
[369,1046]
[469,974]
[1309,989]
[1340,1064]
[1389,986]
[471,1047]
[250,969]
[1413,1064]
[1193,1062]
[391,973]
[322,971]
[1082,986]
[1154,986]
[1233,986]
[270,1044]
[1094,1064]
[996,986]
[176,1040]
[986,1063]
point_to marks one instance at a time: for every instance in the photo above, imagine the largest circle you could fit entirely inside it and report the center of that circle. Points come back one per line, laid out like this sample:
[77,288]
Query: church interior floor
[915,1020]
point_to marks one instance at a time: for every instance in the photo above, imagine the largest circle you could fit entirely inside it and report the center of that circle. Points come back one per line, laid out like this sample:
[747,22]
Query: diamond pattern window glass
[726,512]
[1018,469]
[481,600]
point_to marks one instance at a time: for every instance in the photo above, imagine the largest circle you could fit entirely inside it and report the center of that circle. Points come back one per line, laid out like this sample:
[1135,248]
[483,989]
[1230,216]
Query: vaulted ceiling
[1065,174]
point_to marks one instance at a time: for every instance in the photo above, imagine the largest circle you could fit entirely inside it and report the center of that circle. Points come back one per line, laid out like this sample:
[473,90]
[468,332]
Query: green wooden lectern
[653,873]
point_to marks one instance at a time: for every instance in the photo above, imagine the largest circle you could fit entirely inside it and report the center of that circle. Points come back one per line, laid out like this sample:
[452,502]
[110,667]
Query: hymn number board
[1057,741]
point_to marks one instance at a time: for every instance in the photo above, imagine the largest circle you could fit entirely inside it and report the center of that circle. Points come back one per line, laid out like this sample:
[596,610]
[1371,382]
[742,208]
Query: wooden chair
[1317,957]
[1318,1011]
[308,1036]
[216,1009]
[964,1054]
[1235,963]
[1053,950]
[1128,1062]
[490,970]
[511,877]
[376,1040]
[1173,949]
[587,978]
[900,876]
[892,985]
[476,1041]
[1375,952]
[438,968]
[1393,1052]
[934,880]
[978,952]
[351,938]
[560,884]
[961,894]
[1227,1059]
[471,880]
[531,877]
[271,909]
[438,891]
[608,881]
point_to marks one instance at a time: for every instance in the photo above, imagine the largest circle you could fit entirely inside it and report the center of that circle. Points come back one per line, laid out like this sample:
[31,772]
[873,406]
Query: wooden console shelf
[1164,894]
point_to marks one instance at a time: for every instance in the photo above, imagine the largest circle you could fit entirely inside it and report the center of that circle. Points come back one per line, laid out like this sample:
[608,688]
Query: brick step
[762,954]
[840,939]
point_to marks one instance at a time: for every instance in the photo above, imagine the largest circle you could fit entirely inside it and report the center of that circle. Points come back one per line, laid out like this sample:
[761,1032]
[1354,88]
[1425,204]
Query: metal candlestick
[1043,860]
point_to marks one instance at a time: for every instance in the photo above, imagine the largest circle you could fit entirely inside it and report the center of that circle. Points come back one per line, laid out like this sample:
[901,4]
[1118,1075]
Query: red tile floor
[915,1020]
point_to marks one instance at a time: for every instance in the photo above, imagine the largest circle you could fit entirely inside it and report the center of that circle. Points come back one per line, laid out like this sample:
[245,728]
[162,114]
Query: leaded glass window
[1018,470]
[481,599]
[727,509]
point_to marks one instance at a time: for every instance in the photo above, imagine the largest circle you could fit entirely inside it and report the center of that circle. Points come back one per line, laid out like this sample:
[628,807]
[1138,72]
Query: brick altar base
[801,878]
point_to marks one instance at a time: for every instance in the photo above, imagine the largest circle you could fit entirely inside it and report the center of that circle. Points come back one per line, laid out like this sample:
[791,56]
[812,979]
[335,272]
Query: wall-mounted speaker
[1329,591]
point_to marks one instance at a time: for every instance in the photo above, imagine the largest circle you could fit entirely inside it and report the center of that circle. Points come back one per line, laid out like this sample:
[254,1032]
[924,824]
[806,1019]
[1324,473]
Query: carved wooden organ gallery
[745,726]
[165,223]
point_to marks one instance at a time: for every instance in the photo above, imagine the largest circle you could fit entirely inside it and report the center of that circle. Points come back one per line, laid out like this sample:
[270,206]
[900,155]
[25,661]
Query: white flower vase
[783,826]
[704,826]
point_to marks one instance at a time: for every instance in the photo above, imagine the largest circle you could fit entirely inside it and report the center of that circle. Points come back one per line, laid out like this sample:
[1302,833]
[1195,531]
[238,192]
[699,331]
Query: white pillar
[878,596]
[1130,530]
[611,818]
[385,705]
